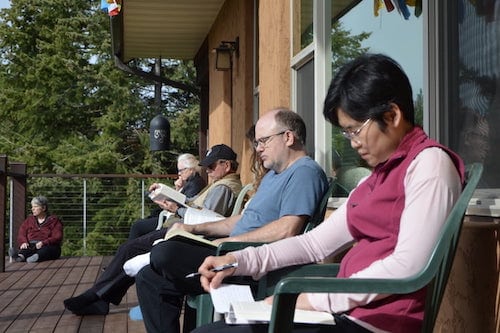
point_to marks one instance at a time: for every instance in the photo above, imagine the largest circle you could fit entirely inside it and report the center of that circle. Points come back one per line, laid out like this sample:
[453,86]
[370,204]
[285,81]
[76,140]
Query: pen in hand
[215,269]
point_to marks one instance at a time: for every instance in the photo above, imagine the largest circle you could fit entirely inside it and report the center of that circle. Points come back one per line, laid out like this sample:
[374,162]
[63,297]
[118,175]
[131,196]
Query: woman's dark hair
[366,87]
[256,164]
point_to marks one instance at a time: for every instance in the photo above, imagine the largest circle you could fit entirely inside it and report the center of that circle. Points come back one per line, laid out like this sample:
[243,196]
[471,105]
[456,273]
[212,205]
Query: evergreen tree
[345,48]
[67,109]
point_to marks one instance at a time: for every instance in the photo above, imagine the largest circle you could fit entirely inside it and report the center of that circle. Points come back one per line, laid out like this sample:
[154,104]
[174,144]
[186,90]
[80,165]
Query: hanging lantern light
[159,133]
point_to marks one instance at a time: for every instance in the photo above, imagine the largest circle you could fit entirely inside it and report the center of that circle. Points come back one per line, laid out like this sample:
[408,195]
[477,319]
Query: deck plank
[32,298]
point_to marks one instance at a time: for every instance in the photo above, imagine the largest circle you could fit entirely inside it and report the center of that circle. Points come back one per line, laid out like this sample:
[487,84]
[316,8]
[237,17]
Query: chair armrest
[234,246]
[321,284]
[288,289]
[314,270]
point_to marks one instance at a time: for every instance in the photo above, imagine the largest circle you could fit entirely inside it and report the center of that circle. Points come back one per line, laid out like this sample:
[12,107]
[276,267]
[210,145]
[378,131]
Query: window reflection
[302,24]
[357,28]
[474,130]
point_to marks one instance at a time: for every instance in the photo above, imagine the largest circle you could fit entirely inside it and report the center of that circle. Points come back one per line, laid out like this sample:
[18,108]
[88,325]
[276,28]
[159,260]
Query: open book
[182,235]
[165,192]
[239,307]
[201,215]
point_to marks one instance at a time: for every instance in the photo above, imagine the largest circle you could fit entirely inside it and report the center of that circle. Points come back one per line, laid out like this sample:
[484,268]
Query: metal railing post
[12,239]
[143,207]
[84,216]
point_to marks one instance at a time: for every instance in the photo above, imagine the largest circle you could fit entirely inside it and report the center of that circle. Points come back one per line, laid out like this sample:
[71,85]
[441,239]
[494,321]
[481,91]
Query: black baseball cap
[218,152]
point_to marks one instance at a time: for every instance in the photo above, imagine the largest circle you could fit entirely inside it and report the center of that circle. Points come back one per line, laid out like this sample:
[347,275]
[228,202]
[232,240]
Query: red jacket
[50,232]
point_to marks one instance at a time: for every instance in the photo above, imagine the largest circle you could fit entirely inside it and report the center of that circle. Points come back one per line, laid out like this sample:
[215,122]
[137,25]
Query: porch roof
[162,28]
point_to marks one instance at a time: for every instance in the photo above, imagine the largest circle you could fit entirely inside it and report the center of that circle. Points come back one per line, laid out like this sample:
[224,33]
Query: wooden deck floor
[31,298]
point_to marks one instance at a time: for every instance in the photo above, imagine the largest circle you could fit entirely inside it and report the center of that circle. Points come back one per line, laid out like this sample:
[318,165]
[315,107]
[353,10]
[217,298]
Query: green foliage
[67,109]
[419,108]
[345,48]
[183,127]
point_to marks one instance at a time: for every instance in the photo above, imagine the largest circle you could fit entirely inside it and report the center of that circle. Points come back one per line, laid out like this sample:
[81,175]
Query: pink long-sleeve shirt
[432,185]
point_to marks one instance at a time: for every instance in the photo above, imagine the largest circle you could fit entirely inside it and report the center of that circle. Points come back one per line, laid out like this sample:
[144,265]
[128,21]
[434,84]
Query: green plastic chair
[203,303]
[241,199]
[348,178]
[320,278]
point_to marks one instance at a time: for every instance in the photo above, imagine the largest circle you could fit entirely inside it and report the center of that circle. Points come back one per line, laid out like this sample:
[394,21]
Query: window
[473,117]
[357,29]
[326,34]
[305,100]
[302,24]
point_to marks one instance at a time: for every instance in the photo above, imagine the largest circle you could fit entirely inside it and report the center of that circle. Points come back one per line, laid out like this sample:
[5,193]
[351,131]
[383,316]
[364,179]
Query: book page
[227,293]
[197,216]
[182,235]
[261,312]
[165,192]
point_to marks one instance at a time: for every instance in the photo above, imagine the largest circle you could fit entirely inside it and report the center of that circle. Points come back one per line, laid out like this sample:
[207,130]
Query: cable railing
[96,210]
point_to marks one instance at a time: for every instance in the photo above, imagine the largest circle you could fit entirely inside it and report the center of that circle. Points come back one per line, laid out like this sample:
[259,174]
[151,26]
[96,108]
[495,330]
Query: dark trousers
[46,252]
[342,325]
[143,227]
[113,283]
[162,285]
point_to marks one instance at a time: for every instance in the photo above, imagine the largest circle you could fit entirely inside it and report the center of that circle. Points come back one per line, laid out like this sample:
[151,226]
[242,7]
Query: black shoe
[12,252]
[99,307]
[20,258]
[78,303]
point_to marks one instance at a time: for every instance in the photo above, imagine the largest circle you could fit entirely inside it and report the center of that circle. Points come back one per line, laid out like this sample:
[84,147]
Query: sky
[392,35]
[4,3]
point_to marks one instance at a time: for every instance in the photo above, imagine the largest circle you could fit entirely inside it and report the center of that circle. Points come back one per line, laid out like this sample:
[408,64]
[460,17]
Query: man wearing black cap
[113,283]
[221,165]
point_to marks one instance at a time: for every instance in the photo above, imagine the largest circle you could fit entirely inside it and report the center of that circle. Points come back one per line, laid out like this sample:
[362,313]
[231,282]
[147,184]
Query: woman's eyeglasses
[350,134]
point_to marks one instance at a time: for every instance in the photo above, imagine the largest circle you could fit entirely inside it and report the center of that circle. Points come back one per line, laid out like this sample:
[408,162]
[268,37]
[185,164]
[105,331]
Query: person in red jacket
[40,235]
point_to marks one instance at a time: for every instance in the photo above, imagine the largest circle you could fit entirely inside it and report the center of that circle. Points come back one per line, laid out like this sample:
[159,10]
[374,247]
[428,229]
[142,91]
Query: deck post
[18,174]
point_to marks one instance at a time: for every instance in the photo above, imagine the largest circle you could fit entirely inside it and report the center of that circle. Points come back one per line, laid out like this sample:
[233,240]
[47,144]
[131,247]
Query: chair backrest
[348,178]
[240,200]
[439,266]
[319,214]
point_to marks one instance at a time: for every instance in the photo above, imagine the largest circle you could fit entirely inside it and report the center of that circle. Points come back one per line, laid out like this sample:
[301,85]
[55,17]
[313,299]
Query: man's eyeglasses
[264,141]
[181,170]
[350,135]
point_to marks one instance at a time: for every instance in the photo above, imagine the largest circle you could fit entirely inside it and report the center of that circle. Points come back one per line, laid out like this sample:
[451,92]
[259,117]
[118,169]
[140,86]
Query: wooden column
[18,173]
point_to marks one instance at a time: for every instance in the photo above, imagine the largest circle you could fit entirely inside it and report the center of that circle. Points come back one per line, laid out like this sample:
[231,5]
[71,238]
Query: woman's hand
[179,183]
[39,245]
[211,280]
[24,246]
